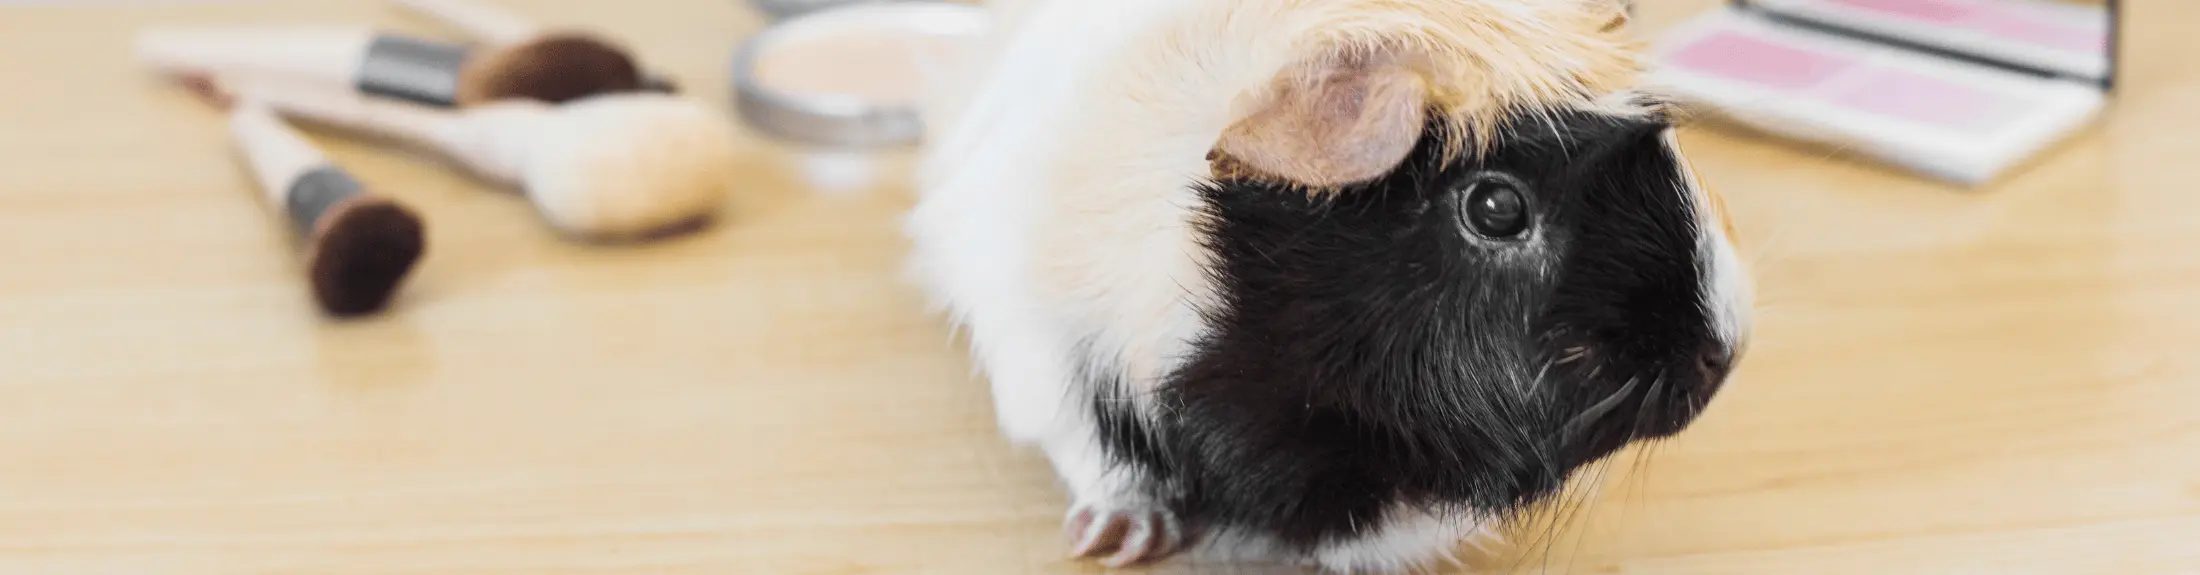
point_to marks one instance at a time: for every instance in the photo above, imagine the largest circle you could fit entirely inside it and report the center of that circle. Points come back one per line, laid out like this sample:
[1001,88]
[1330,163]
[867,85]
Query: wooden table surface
[1999,380]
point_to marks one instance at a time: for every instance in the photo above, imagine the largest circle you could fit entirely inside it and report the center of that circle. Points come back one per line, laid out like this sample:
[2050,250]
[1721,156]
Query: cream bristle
[630,164]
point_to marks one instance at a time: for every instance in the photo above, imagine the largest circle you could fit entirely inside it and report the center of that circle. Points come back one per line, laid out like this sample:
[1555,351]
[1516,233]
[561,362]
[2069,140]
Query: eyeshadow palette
[1960,90]
[2052,36]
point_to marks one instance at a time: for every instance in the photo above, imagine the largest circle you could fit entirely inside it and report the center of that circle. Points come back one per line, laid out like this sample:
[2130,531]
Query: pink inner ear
[1356,123]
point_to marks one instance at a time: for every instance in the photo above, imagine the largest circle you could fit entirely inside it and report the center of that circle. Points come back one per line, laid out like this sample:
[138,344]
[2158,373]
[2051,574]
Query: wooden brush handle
[327,55]
[491,140]
[480,20]
[351,110]
[278,154]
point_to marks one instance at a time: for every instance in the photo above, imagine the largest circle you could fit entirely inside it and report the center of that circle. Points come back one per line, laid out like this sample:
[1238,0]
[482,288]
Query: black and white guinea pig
[1337,282]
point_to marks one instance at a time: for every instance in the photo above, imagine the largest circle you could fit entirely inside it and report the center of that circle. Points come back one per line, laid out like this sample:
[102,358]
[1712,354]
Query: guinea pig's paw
[1123,534]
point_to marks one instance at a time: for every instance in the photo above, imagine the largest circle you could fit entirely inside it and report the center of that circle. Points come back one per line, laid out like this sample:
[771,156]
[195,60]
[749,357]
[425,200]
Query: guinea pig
[1339,283]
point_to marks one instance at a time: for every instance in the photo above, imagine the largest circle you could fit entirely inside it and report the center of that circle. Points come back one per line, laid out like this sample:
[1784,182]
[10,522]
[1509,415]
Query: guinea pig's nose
[1713,362]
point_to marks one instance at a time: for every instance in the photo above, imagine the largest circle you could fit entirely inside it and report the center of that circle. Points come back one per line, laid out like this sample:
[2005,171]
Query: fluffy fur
[1352,379]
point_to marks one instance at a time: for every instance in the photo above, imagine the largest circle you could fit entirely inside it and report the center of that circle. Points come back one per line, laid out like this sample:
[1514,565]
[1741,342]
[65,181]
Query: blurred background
[1952,373]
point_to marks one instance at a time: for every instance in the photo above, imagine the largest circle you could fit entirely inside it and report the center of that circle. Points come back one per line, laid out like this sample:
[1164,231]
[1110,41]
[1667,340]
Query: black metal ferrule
[413,69]
[314,193]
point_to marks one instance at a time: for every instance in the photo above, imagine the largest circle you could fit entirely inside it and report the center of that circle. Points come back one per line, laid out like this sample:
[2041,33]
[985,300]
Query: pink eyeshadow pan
[1925,100]
[1758,61]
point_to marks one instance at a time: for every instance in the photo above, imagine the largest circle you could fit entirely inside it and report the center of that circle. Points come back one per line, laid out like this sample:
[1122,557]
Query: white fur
[1407,539]
[1000,187]
[987,184]
[1729,295]
[989,181]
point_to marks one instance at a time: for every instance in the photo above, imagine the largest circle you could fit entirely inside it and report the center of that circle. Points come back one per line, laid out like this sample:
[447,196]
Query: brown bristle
[552,69]
[360,252]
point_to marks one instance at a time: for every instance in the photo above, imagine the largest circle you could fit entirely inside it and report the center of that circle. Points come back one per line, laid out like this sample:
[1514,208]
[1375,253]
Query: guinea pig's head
[1425,308]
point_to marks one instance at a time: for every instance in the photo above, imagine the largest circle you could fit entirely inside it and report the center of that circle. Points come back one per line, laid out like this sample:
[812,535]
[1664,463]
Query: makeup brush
[548,68]
[358,245]
[501,28]
[611,167]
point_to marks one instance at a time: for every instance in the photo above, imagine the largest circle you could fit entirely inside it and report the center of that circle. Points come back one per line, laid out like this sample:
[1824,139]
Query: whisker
[1574,354]
[1589,517]
[1571,507]
[1581,501]
[1543,531]
[1542,524]
[1642,410]
[1573,426]
[1643,452]
[1536,385]
[1631,492]
[1643,464]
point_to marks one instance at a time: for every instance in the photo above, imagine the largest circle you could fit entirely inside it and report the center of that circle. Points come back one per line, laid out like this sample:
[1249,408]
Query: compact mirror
[1961,90]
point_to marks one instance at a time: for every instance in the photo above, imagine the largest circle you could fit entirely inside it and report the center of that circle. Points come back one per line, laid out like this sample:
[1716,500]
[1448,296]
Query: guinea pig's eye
[1495,208]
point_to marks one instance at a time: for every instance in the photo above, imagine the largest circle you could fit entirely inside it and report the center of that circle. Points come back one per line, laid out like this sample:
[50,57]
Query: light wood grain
[1946,381]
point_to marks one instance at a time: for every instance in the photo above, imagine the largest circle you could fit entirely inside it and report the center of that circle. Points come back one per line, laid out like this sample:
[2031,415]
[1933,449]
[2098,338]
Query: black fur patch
[1371,351]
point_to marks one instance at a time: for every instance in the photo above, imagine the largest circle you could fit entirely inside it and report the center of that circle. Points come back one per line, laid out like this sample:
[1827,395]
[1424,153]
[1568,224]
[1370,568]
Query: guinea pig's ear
[1337,121]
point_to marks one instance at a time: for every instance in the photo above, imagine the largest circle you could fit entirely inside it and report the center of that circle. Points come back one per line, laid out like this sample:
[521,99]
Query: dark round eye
[1496,209]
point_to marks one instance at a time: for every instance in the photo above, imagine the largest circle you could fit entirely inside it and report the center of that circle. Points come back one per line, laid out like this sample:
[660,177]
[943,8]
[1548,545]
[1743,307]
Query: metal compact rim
[783,9]
[837,121]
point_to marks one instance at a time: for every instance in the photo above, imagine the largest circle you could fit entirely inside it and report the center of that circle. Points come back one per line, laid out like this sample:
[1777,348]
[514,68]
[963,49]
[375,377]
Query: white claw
[1123,537]
[1137,544]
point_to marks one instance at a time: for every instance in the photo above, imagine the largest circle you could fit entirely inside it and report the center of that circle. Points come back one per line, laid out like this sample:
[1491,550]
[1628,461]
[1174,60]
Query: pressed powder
[844,83]
[883,66]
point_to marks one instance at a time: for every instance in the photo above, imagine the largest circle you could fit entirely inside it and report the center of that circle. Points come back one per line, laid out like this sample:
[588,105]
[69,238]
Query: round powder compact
[843,82]
[850,77]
